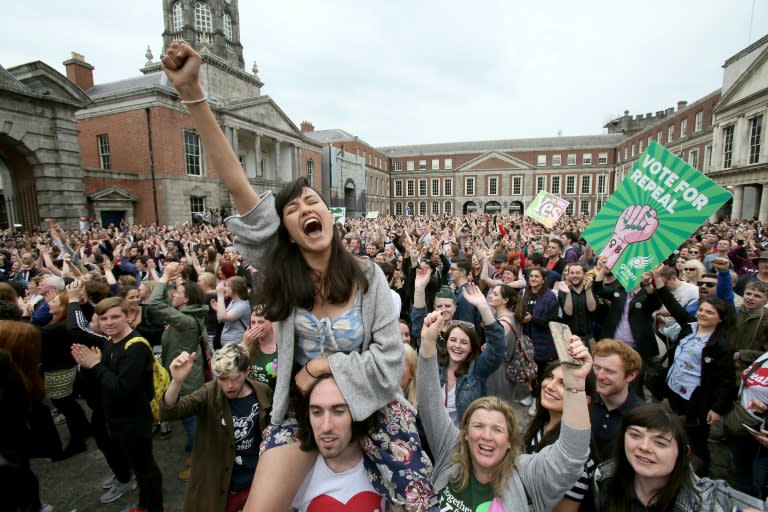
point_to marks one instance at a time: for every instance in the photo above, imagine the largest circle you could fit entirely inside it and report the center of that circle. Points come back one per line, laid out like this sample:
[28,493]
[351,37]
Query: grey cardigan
[545,476]
[368,379]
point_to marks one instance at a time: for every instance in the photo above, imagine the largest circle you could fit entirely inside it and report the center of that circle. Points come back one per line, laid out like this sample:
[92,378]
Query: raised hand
[182,66]
[182,365]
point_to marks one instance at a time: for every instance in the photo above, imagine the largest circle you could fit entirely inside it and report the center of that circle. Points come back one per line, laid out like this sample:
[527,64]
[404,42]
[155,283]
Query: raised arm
[182,65]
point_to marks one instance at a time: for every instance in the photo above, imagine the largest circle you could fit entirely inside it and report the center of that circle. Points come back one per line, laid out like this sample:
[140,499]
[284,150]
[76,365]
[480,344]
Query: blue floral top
[323,337]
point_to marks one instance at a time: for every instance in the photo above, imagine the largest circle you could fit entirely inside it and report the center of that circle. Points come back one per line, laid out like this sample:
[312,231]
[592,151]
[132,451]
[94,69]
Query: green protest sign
[546,208]
[339,214]
[657,206]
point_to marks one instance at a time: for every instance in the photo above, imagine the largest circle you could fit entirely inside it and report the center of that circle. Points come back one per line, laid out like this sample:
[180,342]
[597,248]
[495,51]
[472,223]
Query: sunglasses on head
[462,323]
[708,284]
[690,269]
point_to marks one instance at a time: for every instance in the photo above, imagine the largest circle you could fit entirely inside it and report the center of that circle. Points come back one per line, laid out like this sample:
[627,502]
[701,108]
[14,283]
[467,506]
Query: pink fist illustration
[637,223]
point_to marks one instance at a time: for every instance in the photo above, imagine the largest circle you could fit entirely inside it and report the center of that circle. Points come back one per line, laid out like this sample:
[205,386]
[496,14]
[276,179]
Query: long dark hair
[514,303]
[288,280]
[474,348]
[544,286]
[620,487]
[724,310]
[542,417]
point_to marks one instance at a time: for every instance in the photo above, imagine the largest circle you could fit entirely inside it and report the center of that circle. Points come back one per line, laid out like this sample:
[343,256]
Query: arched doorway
[350,202]
[18,194]
[516,207]
[469,207]
[492,207]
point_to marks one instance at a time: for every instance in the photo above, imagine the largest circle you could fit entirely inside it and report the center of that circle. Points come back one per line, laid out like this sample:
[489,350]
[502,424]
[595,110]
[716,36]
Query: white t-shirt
[326,491]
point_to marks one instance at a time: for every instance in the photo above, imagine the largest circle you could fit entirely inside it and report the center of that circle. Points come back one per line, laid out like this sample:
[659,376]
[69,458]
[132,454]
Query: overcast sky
[411,72]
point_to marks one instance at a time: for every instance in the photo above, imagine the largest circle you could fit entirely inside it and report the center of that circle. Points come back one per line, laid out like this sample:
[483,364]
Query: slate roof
[333,135]
[579,141]
[140,82]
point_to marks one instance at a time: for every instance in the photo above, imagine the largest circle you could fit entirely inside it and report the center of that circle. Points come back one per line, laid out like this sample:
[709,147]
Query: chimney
[681,104]
[306,126]
[79,71]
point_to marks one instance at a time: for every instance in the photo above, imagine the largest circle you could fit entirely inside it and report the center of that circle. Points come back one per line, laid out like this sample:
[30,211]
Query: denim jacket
[471,385]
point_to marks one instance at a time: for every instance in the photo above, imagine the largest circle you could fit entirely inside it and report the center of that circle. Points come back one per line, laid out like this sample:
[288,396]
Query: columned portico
[738,202]
[763,211]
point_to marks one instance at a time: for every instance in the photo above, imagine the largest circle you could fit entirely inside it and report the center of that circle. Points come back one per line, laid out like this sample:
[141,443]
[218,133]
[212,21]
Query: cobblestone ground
[73,485]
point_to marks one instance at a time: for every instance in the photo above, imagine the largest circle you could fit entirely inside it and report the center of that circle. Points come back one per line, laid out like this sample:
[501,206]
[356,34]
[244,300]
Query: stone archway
[17,186]
[469,207]
[516,207]
[350,199]
[492,207]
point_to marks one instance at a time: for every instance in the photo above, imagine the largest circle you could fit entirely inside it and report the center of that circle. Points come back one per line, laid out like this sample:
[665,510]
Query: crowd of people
[374,363]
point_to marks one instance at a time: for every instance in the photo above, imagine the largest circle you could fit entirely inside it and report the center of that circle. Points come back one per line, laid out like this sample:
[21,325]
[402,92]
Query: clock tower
[212,25]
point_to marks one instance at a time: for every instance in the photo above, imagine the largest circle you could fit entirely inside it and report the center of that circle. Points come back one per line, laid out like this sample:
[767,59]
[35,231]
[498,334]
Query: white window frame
[398,192]
[555,184]
[200,200]
[398,165]
[435,186]
[423,188]
[541,160]
[410,188]
[435,164]
[755,134]
[707,158]
[448,186]
[556,160]
[586,184]
[571,159]
[177,17]
[699,122]
[684,127]
[602,158]
[105,155]
[398,207]
[517,185]
[410,165]
[193,154]
[229,33]
[602,183]
[728,133]
[448,163]
[670,133]
[541,183]
[203,18]
[422,165]
[570,185]
[448,207]
[493,185]
[584,207]
[311,172]
[693,158]
[586,159]
[469,190]
[422,208]
[569,208]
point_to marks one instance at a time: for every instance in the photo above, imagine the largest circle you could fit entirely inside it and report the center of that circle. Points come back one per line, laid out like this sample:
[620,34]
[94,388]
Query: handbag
[734,421]
[60,383]
[519,365]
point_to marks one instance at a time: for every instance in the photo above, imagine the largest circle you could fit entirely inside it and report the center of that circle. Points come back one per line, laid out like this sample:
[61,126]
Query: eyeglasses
[690,269]
[462,323]
[708,284]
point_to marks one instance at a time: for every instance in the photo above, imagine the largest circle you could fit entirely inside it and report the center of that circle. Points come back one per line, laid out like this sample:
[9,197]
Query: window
[555,187]
[177,17]
[633,151]
[599,205]
[448,163]
[586,159]
[409,188]
[658,137]
[435,187]
[693,158]
[493,186]
[398,188]
[469,186]
[571,160]
[707,157]
[398,208]
[422,165]
[435,165]
[448,207]
[584,210]
[727,147]
[541,183]
[203,17]
[586,184]
[448,187]
[422,208]
[670,133]
[105,160]
[649,140]
[192,156]
[569,209]
[517,185]
[196,204]
[601,183]
[410,165]
[555,159]
[602,158]
[542,160]
[640,146]
[755,130]
[684,128]
[311,172]
[422,187]
[398,165]
[570,185]
[435,208]
[699,122]
[228,34]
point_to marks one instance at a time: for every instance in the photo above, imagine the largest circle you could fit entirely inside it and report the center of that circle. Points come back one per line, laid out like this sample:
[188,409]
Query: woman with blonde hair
[479,463]
[693,271]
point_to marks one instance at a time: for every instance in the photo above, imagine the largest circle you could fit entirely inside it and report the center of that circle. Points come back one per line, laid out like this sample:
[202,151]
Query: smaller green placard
[547,208]
[655,209]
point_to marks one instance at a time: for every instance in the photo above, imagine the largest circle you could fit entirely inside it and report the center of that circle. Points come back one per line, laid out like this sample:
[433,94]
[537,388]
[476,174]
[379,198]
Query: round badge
[616,294]
[638,305]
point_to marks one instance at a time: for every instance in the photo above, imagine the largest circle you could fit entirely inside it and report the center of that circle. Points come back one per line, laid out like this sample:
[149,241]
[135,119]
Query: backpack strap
[138,339]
